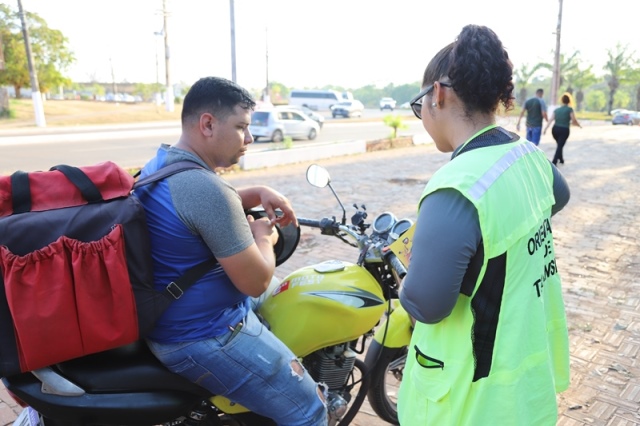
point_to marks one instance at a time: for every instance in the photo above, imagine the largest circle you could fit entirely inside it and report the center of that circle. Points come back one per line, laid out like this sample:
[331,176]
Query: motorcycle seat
[127,368]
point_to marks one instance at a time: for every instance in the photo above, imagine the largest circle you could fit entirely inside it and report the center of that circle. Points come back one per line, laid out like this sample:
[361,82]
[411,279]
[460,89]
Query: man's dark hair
[215,95]
[539,92]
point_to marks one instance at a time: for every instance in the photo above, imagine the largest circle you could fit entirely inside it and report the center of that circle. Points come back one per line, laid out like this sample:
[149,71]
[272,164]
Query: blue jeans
[251,367]
[533,134]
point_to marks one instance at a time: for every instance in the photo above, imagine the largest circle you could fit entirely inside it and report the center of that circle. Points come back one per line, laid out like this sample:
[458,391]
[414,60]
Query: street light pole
[267,95]
[169,98]
[233,40]
[555,79]
[35,88]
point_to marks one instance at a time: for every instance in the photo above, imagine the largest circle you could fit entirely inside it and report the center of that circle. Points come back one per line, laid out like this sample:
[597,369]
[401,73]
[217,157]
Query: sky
[306,44]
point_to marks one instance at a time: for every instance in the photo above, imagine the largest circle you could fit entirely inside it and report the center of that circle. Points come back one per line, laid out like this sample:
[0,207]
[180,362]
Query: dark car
[626,117]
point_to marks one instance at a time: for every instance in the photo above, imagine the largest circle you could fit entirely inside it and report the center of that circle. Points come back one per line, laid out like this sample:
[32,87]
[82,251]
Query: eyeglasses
[416,103]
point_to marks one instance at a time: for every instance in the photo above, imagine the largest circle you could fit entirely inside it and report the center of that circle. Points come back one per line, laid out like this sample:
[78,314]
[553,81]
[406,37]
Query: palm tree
[580,79]
[522,76]
[568,67]
[620,67]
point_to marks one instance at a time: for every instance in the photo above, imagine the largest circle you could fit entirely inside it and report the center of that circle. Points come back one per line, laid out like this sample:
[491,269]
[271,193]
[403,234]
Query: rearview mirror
[318,176]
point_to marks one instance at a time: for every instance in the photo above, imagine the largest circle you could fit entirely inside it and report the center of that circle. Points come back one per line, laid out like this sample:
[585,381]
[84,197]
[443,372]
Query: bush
[7,113]
[395,122]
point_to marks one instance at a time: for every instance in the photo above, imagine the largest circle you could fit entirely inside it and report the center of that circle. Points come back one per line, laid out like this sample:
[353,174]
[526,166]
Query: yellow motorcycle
[331,314]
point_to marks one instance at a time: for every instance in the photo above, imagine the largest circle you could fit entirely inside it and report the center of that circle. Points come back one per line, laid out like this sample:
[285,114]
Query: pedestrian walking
[563,117]
[536,111]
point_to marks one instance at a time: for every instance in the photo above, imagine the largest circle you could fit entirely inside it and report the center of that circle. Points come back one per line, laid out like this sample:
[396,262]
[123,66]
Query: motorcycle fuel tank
[323,305]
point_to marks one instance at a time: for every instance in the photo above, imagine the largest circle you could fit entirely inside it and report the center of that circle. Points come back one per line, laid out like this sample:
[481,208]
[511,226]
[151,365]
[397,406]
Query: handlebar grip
[309,222]
[397,265]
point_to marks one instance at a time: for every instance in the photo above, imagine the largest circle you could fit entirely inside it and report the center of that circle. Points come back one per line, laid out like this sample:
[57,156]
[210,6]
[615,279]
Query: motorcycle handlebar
[309,222]
[397,265]
[330,227]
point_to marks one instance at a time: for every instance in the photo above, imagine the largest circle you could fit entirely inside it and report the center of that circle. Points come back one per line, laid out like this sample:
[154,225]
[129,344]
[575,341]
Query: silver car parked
[275,124]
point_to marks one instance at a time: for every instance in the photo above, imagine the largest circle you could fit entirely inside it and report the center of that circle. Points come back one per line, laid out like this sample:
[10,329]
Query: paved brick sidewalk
[597,251]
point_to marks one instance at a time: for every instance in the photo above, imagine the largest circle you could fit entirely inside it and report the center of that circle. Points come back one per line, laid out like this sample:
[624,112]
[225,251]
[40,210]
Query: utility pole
[156,95]
[267,95]
[114,86]
[555,79]
[168,98]
[233,41]
[35,88]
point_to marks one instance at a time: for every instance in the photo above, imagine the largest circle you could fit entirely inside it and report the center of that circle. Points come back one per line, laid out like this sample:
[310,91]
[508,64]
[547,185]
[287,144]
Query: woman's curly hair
[479,69]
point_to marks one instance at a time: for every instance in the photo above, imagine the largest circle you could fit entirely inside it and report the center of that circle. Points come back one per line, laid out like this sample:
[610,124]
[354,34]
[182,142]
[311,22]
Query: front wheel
[312,134]
[277,136]
[387,367]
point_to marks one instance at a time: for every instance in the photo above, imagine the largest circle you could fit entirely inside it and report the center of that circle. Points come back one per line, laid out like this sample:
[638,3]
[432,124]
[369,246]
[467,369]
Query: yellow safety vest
[500,366]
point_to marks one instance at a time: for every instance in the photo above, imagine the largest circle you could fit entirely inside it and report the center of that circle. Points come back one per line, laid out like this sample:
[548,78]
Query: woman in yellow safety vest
[490,345]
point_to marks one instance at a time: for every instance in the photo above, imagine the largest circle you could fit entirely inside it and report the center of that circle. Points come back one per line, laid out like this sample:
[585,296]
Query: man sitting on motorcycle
[210,335]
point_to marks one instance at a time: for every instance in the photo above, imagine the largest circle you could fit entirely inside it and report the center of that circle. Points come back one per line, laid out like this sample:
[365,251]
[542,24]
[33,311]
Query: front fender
[398,333]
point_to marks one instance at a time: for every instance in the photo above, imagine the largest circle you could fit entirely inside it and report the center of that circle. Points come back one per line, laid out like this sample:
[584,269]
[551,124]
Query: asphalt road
[133,145]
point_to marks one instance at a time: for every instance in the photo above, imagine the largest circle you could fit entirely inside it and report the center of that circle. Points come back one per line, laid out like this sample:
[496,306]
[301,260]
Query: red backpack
[76,264]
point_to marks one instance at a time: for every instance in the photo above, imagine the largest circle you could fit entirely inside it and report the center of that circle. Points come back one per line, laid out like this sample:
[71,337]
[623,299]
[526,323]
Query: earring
[434,105]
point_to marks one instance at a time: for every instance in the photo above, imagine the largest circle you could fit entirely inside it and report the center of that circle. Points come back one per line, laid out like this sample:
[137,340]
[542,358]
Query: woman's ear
[438,94]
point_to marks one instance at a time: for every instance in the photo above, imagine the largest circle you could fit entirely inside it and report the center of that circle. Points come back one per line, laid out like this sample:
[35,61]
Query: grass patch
[78,113]
[81,113]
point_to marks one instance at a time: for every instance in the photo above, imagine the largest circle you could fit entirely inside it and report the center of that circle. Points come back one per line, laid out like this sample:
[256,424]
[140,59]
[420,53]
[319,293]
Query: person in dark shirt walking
[563,117]
[536,110]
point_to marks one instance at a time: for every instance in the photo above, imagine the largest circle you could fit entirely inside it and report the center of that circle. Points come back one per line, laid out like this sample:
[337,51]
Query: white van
[316,100]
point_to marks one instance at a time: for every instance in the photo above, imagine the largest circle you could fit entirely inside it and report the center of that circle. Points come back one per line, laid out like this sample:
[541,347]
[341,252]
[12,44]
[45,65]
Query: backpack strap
[20,192]
[176,288]
[87,188]
[167,171]
[21,189]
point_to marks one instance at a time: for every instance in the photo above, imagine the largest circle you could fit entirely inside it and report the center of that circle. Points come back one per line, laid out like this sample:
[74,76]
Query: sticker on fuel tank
[357,299]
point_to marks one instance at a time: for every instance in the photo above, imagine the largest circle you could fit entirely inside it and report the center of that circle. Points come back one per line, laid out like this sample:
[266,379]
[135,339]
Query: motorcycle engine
[332,366]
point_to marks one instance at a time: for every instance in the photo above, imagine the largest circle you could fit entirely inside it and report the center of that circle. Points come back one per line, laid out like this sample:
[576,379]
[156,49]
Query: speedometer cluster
[387,226]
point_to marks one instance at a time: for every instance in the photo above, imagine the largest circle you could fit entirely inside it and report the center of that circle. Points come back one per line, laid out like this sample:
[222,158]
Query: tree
[568,67]
[405,92]
[596,100]
[619,67]
[50,50]
[634,78]
[622,100]
[279,92]
[522,76]
[144,90]
[580,79]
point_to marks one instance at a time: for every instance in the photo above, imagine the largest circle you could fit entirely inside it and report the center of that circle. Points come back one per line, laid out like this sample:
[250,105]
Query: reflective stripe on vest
[499,168]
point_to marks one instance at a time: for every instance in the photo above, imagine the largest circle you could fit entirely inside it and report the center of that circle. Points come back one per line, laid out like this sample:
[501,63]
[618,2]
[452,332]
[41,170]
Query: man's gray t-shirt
[209,206]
